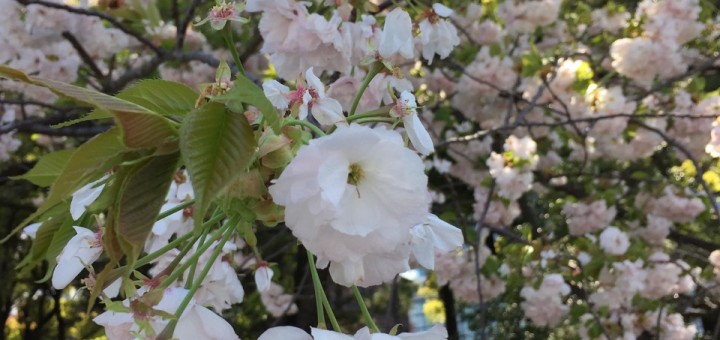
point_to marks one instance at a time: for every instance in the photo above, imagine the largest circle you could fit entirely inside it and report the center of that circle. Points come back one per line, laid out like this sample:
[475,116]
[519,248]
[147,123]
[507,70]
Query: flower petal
[263,278]
[286,333]
[328,111]
[276,93]
[419,137]
[442,10]
[446,237]
[85,196]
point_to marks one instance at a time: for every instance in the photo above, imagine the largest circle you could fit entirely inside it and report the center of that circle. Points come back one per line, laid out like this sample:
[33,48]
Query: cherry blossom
[81,251]
[336,195]
[223,12]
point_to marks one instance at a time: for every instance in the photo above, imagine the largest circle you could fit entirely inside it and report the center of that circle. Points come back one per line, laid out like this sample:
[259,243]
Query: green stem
[203,235]
[376,120]
[374,113]
[172,267]
[174,209]
[318,289]
[308,125]
[160,252]
[375,68]
[328,309]
[230,41]
[193,267]
[321,299]
[366,314]
[228,229]
[179,271]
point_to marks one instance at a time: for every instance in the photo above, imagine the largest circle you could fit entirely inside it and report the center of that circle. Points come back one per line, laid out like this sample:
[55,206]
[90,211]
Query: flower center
[356,174]
[222,11]
[402,108]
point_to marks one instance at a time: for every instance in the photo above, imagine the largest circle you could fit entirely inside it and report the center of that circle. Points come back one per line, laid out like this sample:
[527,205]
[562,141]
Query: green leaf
[47,168]
[161,96]
[142,128]
[164,97]
[143,196]
[45,235]
[96,114]
[247,92]
[531,62]
[89,162]
[11,73]
[583,77]
[217,145]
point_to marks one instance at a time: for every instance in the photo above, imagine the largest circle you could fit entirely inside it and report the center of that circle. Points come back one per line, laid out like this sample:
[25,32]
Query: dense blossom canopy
[519,168]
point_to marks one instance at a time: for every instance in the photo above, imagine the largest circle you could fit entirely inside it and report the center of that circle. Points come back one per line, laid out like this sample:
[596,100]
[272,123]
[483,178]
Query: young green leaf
[217,145]
[47,168]
[89,162]
[45,235]
[96,114]
[142,197]
[248,92]
[142,128]
[161,96]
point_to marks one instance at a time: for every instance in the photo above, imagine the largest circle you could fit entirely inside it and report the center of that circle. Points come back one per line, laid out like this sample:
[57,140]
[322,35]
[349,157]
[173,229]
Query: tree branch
[93,13]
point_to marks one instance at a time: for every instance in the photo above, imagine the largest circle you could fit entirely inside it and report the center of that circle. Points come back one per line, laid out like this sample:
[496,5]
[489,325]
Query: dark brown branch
[70,131]
[692,240]
[183,25]
[30,102]
[93,13]
[85,56]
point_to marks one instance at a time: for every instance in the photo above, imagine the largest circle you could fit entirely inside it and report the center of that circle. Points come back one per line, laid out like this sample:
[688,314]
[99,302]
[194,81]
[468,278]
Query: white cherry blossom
[397,36]
[85,196]
[82,250]
[346,203]
[406,108]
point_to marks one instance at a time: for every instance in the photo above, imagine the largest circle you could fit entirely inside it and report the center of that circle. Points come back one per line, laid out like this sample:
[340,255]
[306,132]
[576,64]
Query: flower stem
[154,255]
[229,229]
[317,288]
[374,113]
[308,125]
[328,309]
[203,236]
[193,267]
[179,271]
[375,68]
[320,297]
[366,314]
[376,120]
[230,41]
[175,209]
